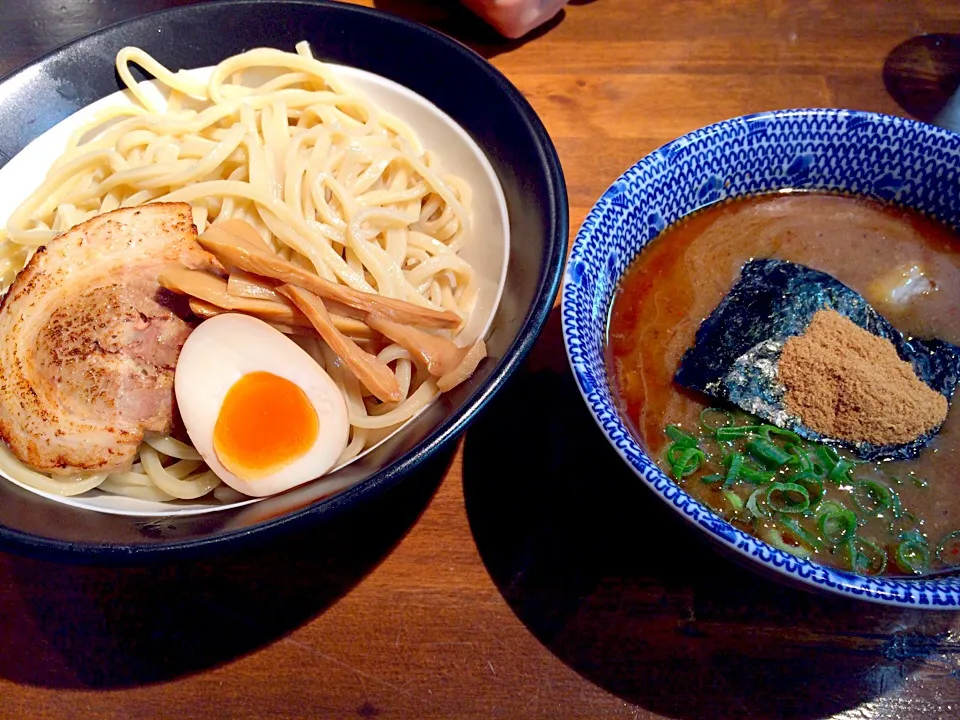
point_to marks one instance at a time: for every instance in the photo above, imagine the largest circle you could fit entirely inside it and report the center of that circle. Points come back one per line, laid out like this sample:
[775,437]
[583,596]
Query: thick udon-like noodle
[327,178]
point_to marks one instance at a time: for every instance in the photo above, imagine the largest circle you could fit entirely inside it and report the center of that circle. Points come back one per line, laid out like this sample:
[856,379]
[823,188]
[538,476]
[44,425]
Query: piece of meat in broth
[90,340]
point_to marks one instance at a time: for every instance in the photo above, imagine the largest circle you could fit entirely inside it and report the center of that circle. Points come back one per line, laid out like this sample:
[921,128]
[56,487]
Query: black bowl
[450,75]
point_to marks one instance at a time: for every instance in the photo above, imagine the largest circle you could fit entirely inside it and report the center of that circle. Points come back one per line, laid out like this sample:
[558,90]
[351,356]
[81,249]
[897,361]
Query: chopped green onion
[828,457]
[755,510]
[914,535]
[912,555]
[865,557]
[688,462]
[812,483]
[754,476]
[733,433]
[767,454]
[828,453]
[896,507]
[680,438]
[774,537]
[715,418]
[840,471]
[920,482]
[799,532]
[798,457]
[789,475]
[733,471]
[733,499]
[767,430]
[837,525]
[872,497]
[948,549]
[788,497]
[673,454]
[831,506]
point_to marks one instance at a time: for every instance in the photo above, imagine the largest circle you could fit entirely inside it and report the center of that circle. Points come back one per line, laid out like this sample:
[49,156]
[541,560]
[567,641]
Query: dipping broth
[892,518]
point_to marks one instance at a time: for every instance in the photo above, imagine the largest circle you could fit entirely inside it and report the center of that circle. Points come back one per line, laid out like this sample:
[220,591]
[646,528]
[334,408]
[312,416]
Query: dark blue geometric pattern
[836,150]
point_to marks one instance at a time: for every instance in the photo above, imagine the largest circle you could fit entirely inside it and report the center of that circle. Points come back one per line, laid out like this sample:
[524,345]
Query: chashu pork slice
[89,340]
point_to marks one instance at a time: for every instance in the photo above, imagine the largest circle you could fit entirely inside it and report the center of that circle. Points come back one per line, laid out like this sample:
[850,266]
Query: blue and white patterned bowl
[833,150]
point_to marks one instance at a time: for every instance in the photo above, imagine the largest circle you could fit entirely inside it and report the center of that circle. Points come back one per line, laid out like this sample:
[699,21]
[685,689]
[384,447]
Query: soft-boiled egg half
[261,412]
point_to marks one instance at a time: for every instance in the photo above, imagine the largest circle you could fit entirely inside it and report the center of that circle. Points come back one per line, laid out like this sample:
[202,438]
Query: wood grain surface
[526,574]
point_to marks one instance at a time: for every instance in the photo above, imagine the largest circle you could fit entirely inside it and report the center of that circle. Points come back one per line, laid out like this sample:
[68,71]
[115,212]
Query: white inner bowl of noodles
[483,245]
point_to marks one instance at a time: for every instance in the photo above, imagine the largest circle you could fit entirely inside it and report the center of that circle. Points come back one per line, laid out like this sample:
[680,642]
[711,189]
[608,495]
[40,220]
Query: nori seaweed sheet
[735,355]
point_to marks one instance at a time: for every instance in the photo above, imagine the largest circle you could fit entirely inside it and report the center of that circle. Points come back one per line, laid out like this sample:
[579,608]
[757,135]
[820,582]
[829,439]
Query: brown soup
[904,511]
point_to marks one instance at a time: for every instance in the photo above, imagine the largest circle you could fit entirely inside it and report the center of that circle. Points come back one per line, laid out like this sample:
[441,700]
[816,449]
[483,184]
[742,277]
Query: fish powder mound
[737,353]
[848,384]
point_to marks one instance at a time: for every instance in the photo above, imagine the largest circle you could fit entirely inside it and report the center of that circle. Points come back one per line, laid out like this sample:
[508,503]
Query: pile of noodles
[326,177]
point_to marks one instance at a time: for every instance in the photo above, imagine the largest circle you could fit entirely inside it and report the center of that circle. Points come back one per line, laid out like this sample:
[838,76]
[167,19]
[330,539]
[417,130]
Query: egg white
[221,351]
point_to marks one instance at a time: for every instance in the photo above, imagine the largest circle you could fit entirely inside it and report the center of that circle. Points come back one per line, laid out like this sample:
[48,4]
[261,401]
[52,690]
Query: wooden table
[550,585]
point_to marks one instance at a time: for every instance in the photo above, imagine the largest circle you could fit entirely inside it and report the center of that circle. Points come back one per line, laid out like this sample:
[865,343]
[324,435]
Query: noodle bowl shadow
[109,627]
[878,156]
[436,68]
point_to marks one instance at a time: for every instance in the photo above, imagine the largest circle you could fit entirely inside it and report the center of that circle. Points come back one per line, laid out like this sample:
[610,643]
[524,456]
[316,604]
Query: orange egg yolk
[265,423]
